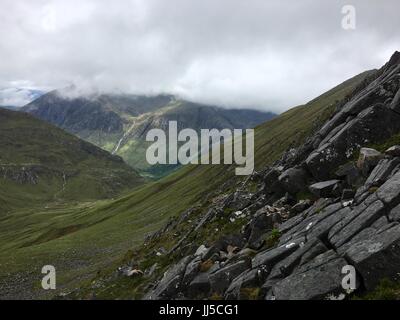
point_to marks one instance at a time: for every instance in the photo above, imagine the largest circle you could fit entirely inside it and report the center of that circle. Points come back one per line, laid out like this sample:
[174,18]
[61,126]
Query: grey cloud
[257,53]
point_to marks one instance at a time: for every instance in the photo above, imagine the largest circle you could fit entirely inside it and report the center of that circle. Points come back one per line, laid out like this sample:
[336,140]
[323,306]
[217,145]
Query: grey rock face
[374,124]
[389,192]
[170,284]
[360,221]
[286,266]
[351,174]
[199,287]
[368,159]
[382,172]
[395,214]
[316,280]
[251,278]
[323,189]
[294,180]
[270,257]
[395,105]
[191,271]
[377,257]
[221,279]
[318,238]
[348,194]
[257,228]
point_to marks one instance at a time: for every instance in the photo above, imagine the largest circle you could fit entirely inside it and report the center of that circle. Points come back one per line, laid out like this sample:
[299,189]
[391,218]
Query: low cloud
[262,54]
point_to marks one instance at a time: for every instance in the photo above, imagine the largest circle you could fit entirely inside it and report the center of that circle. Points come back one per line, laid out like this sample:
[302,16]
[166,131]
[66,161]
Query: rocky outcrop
[291,248]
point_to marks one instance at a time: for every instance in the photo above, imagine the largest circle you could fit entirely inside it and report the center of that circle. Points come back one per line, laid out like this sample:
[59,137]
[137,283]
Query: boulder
[252,278]
[318,279]
[324,189]
[294,180]
[221,279]
[170,284]
[200,287]
[201,251]
[378,257]
[351,174]
[393,151]
[395,105]
[273,189]
[192,269]
[389,192]
[368,159]
[381,172]
[264,220]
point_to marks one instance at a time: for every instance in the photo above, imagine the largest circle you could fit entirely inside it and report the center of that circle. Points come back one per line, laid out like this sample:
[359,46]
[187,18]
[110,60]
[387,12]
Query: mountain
[18,97]
[89,243]
[119,123]
[40,164]
[321,222]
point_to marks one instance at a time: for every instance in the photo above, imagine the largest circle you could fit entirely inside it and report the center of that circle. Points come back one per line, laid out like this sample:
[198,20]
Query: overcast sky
[242,53]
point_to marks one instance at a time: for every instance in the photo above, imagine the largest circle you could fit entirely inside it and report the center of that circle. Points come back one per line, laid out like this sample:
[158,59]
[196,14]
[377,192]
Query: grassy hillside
[40,164]
[81,240]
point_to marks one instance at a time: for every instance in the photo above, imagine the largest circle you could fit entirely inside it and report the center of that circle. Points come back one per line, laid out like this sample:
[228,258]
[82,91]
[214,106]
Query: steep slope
[106,230]
[119,123]
[40,163]
[328,208]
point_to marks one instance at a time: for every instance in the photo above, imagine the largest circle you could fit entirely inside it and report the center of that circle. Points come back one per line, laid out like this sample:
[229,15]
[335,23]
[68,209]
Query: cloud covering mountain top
[264,54]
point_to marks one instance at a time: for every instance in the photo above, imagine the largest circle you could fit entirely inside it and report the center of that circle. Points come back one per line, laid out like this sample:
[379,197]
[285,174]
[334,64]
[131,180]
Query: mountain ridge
[119,123]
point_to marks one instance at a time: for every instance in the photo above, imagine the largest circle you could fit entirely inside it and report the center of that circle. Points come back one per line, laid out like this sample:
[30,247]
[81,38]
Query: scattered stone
[134,272]
[201,251]
[235,240]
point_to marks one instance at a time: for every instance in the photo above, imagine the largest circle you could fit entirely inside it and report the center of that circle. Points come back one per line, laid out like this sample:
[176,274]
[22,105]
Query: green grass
[84,238]
[386,290]
[66,168]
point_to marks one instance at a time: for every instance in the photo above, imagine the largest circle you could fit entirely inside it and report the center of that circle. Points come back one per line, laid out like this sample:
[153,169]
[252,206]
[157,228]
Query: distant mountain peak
[119,122]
